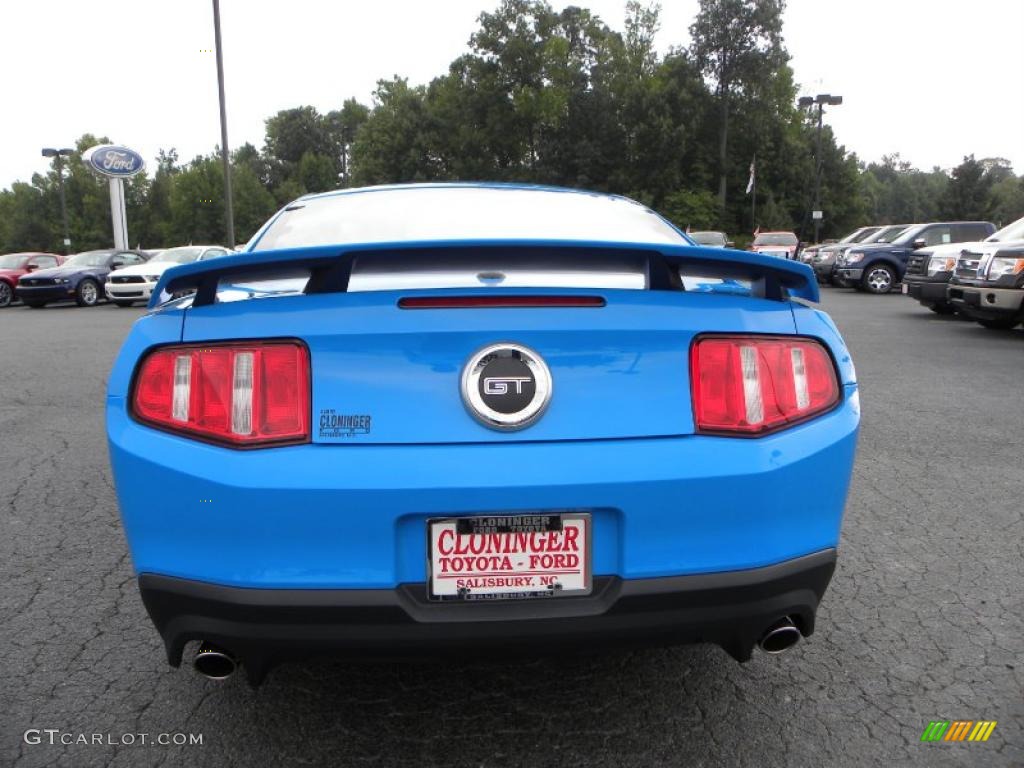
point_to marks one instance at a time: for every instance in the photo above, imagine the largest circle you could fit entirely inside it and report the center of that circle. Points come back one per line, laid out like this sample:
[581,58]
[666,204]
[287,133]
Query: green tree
[316,173]
[737,44]
[254,203]
[343,125]
[967,194]
[25,219]
[691,210]
[292,133]
[1007,200]
[197,203]
[391,147]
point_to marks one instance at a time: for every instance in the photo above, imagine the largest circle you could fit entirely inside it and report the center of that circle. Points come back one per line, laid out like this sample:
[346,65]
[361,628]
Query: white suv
[126,286]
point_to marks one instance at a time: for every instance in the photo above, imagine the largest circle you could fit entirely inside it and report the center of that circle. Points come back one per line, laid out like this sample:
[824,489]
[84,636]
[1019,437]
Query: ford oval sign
[110,160]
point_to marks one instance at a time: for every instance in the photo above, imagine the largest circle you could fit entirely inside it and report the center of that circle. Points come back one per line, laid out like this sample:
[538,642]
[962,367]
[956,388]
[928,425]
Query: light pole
[224,128]
[57,154]
[821,100]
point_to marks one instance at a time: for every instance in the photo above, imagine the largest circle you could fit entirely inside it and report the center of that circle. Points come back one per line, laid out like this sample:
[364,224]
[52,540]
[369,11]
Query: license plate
[905,288]
[497,557]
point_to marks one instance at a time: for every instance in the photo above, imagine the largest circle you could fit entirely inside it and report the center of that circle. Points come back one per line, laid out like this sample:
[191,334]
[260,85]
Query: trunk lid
[382,374]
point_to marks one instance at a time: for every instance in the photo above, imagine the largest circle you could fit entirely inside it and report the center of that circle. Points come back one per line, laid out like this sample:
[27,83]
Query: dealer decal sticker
[343,425]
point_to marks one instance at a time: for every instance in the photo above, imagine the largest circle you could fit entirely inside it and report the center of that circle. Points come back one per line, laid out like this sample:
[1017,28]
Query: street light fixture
[57,154]
[805,102]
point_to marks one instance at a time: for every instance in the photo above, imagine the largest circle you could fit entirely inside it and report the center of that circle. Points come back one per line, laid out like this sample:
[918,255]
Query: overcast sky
[930,80]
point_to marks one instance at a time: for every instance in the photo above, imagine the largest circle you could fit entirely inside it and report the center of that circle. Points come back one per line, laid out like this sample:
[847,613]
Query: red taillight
[758,384]
[239,394]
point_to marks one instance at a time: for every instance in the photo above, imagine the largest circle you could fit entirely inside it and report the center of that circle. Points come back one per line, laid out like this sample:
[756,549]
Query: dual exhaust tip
[215,663]
[779,637]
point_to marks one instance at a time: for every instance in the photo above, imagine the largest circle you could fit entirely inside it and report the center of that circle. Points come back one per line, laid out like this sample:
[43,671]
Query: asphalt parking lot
[924,620]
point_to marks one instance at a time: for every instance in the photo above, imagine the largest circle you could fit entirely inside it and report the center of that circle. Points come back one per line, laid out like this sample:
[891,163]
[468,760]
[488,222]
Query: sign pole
[118,214]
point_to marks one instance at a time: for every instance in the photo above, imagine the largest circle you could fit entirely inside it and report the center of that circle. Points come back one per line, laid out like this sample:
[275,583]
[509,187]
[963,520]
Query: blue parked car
[79,279]
[473,418]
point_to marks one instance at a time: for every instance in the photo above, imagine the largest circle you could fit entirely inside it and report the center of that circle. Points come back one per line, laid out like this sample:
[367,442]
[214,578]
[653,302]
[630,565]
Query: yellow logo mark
[982,730]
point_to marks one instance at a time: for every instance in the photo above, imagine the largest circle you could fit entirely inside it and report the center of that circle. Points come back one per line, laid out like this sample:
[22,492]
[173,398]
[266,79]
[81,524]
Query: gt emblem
[506,386]
[499,386]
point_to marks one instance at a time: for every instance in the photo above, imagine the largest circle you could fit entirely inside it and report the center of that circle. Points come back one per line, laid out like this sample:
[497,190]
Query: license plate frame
[544,582]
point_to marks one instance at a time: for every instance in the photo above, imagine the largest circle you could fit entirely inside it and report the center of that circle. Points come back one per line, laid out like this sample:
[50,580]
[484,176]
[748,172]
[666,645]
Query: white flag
[750,182]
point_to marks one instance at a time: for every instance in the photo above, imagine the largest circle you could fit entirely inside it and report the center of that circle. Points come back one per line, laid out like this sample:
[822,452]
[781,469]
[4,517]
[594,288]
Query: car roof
[505,185]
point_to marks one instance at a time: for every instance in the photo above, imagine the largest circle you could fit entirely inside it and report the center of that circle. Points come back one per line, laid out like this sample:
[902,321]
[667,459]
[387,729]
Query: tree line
[551,97]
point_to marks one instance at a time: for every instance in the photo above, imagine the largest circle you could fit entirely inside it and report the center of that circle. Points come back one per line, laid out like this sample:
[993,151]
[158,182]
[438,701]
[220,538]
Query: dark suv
[929,269]
[877,267]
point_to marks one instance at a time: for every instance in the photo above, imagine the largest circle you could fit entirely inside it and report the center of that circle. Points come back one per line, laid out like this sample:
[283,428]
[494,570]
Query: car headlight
[152,278]
[1005,265]
[61,280]
[852,258]
[938,264]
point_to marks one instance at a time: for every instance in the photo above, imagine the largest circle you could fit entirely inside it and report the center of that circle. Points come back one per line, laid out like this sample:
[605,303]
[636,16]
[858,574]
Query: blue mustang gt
[419,420]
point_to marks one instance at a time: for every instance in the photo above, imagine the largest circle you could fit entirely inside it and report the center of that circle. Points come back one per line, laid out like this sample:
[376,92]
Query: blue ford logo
[115,161]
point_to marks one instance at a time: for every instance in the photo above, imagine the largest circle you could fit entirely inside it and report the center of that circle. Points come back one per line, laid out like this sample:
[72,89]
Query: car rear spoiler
[330,266]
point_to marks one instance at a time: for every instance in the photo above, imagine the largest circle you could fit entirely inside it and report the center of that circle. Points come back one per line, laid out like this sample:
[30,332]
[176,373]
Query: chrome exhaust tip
[213,662]
[779,637]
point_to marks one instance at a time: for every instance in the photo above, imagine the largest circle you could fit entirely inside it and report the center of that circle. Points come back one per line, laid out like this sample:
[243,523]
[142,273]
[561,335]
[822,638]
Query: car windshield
[1014,231]
[463,212]
[88,259]
[708,238]
[776,238]
[887,234]
[908,235]
[860,235]
[11,261]
[183,255]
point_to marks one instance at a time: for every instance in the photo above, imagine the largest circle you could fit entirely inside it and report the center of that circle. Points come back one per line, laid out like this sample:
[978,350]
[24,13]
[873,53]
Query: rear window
[456,213]
[88,259]
[888,234]
[776,238]
[708,238]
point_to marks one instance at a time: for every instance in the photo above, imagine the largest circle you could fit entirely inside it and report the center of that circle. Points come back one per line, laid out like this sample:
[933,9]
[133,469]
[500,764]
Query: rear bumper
[926,290]
[264,627]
